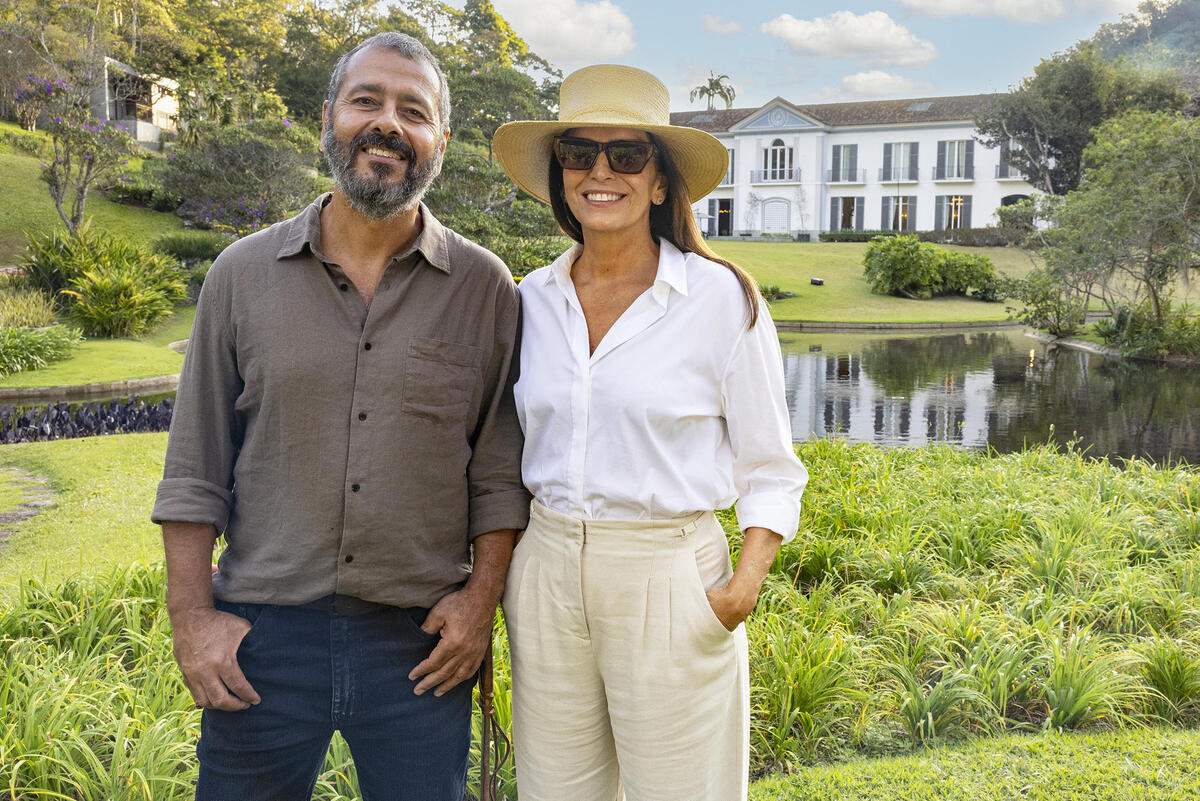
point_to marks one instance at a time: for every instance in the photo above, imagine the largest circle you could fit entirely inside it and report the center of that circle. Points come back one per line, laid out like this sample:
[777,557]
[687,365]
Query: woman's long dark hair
[671,220]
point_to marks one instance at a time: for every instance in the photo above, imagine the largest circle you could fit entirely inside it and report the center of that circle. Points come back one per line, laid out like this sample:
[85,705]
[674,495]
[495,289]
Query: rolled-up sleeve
[498,499]
[206,432]
[767,474]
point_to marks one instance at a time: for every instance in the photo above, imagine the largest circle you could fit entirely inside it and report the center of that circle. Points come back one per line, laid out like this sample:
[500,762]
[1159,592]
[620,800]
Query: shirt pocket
[440,379]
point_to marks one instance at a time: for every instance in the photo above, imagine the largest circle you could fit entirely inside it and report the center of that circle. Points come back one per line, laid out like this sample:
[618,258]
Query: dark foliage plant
[61,421]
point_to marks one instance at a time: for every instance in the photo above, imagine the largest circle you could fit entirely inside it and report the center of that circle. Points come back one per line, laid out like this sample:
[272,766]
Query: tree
[1133,226]
[1050,116]
[84,152]
[716,86]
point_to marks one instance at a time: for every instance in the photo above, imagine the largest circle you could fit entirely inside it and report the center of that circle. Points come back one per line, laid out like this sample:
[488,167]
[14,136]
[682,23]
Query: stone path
[36,495]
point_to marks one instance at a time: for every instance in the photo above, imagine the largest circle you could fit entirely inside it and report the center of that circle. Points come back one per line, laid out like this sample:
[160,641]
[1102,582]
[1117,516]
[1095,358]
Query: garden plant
[933,599]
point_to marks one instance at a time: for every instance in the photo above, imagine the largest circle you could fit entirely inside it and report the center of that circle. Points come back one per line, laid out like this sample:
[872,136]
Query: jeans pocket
[413,617]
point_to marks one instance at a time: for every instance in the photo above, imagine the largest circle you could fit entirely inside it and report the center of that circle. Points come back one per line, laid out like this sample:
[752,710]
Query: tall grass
[931,595]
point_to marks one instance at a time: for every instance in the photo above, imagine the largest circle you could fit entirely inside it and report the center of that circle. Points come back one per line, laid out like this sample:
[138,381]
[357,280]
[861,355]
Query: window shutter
[852,168]
[859,203]
[837,163]
[712,216]
[887,161]
[912,161]
[885,214]
[834,224]
[969,172]
[912,213]
[966,212]
[941,160]
[939,213]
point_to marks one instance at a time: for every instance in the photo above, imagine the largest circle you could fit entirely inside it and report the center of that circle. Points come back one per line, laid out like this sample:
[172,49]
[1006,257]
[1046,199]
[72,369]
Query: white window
[728,179]
[956,159]
[777,161]
[901,152]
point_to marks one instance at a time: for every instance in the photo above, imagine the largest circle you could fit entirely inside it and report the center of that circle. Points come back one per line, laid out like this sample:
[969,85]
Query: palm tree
[715,86]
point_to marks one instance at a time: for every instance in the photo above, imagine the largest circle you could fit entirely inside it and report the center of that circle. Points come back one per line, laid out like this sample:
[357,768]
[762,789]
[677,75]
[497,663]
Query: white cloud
[1028,11]
[879,84]
[570,32]
[874,38]
[720,25]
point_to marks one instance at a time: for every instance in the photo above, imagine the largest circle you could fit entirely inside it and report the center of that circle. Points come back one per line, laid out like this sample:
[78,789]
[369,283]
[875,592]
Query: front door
[724,218]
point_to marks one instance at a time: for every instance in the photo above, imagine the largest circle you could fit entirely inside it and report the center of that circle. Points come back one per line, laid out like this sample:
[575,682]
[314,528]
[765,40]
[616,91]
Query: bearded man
[345,421]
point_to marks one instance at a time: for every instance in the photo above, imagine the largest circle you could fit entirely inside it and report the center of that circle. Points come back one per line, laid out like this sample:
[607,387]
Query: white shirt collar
[672,271]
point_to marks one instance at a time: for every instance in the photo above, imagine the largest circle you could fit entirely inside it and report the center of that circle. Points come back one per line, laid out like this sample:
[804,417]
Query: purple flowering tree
[33,98]
[85,150]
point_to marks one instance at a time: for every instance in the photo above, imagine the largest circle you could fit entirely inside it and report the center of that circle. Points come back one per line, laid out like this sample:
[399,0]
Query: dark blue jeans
[319,671]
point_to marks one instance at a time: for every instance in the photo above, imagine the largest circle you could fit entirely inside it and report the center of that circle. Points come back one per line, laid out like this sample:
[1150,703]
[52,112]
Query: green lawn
[101,517]
[102,360]
[27,207]
[1143,764]
[845,296]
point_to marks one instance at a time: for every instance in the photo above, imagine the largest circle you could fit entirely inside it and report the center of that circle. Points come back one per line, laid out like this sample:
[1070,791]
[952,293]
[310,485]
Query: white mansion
[904,165]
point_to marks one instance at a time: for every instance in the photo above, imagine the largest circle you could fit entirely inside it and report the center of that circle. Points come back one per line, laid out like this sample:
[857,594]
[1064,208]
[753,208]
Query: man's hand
[464,619]
[206,643]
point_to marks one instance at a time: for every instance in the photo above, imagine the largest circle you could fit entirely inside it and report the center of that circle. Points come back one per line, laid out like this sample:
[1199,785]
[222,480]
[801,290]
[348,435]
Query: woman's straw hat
[610,96]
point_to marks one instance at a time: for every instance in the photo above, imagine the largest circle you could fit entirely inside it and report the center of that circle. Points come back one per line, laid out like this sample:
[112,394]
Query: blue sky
[813,52]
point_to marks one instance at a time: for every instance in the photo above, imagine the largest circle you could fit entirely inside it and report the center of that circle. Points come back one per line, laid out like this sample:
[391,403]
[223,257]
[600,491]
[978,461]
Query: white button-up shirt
[680,409]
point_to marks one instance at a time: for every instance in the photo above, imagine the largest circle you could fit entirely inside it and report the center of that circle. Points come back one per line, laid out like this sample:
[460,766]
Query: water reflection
[980,388]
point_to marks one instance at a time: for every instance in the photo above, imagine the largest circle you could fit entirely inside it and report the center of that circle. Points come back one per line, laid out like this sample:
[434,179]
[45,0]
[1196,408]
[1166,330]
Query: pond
[995,388]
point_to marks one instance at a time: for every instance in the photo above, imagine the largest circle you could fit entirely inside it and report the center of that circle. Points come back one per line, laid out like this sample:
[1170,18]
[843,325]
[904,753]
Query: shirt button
[367,346]
[349,558]
[344,287]
[362,415]
[354,488]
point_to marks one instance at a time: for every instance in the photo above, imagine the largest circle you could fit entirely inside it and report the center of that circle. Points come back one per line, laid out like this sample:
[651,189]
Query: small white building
[143,105]
[904,165]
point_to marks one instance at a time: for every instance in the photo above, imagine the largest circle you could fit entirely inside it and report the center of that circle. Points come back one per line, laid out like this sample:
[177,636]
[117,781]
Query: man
[345,418]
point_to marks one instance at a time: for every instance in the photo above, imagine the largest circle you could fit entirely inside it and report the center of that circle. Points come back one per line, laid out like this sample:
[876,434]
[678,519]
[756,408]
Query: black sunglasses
[628,157]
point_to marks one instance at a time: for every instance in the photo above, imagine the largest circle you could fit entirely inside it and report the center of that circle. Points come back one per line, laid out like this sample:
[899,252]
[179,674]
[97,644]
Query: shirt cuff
[498,511]
[191,500]
[776,511]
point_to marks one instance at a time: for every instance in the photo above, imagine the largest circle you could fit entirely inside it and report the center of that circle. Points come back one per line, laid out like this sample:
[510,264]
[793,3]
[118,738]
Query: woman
[651,393]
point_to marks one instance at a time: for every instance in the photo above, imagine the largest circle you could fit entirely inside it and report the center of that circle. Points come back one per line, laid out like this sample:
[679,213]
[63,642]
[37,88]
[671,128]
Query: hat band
[608,116]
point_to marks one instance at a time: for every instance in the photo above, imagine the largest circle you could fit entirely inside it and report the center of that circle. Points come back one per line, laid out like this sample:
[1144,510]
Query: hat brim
[524,148]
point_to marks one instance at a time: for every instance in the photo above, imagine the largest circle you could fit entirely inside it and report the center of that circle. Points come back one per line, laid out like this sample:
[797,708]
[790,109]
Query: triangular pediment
[777,114]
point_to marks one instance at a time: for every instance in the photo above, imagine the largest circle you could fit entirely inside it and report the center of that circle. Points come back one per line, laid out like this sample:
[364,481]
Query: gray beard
[373,196]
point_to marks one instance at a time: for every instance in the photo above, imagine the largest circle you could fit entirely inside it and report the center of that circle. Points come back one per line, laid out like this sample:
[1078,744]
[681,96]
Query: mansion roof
[870,112]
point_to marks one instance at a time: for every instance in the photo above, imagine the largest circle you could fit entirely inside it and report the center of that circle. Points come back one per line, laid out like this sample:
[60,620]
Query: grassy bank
[98,360]
[939,613]
[846,296]
[27,207]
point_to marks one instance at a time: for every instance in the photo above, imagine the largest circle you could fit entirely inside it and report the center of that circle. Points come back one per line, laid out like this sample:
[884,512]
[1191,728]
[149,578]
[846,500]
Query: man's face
[382,137]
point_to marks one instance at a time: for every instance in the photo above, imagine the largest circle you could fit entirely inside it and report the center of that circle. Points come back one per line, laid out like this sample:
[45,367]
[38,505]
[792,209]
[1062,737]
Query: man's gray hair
[407,46]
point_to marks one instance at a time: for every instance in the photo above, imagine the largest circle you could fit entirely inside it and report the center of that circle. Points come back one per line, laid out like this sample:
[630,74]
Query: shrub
[31,348]
[902,265]
[141,189]
[26,144]
[1137,333]
[853,236]
[192,246]
[1048,304]
[24,307]
[970,275]
[56,262]
[240,178]
[975,237]
[125,299]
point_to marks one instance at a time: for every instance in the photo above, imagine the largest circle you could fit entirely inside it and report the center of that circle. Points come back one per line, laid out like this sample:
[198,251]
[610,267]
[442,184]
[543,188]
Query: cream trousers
[626,685]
